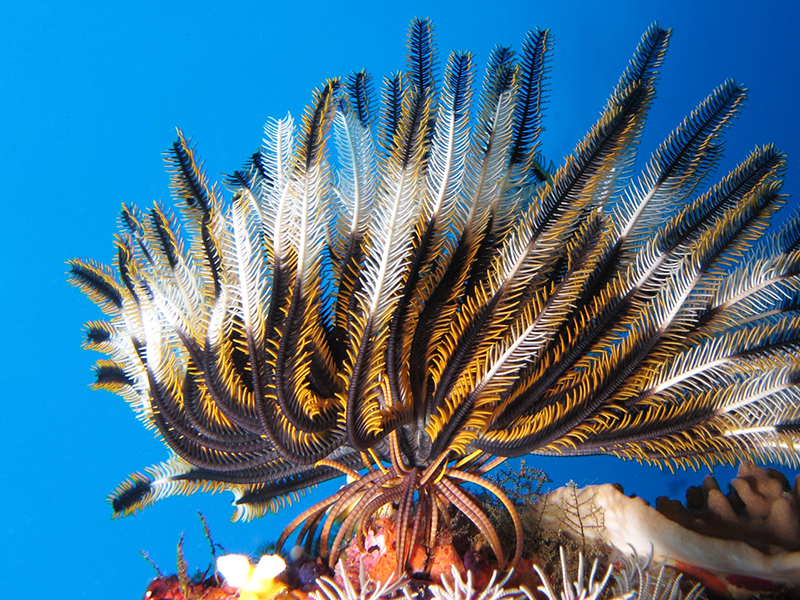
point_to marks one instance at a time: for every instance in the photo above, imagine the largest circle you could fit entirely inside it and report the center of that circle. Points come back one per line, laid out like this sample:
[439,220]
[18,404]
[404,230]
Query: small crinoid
[639,578]
[581,588]
[367,590]
[441,301]
[462,589]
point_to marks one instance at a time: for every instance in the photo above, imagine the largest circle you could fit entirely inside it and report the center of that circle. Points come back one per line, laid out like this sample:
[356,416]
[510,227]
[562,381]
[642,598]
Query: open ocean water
[91,94]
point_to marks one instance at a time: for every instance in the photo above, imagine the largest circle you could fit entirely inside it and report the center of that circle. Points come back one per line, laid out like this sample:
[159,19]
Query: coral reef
[734,545]
[362,574]
[761,509]
[732,551]
[636,580]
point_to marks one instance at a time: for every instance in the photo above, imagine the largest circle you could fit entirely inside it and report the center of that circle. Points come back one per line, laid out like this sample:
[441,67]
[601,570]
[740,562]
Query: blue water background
[91,93]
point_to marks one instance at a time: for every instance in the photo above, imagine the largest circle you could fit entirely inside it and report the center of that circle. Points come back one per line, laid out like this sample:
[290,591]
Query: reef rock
[745,541]
[761,509]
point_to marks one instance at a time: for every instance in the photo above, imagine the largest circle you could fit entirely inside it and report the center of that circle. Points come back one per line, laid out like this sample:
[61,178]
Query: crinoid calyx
[438,300]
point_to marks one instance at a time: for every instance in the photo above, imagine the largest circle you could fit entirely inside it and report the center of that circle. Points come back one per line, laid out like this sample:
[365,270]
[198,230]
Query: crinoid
[367,589]
[639,578]
[580,589]
[441,301]
[462,589]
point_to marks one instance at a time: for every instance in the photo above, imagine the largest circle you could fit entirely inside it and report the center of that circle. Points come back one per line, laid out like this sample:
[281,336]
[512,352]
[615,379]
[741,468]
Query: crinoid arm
[437,300]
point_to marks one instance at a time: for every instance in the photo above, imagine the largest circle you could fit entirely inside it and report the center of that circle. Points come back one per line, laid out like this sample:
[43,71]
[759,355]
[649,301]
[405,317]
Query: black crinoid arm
[439,299]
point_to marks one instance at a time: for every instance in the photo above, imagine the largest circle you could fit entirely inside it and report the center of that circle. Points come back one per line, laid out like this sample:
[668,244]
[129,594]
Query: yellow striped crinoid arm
[533,253]
[654,306]
[299,347]
[199,203]
[355,194]
[434,228]
[655,397]
[678,167]
[256,491]
[389,247]
[496,367]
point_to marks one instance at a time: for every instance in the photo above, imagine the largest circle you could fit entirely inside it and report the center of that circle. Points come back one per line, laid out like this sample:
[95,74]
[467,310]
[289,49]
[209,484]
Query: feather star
[440,299]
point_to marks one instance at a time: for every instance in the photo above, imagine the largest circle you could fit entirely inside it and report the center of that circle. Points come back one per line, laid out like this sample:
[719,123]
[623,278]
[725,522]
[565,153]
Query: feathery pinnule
[441,299]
